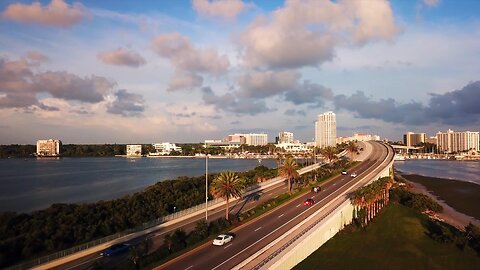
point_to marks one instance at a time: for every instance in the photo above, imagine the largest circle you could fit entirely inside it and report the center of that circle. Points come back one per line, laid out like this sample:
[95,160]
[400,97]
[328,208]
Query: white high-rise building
[285,137]
[451,141]
[326,130]
[134,150]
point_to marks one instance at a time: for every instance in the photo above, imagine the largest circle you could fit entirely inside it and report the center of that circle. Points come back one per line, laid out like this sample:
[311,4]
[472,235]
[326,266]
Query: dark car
[308,201]
[115,249]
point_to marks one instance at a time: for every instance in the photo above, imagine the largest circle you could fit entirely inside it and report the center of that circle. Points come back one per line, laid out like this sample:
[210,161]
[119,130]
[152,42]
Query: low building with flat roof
[48,148]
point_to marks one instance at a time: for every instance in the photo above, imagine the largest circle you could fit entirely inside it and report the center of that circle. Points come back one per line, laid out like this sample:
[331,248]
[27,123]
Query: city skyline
[186,71]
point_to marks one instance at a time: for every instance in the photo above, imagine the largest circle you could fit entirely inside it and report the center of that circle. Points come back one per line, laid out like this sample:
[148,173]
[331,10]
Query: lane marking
[189,267]
[270,193]
[298,205]
[227,246]
[96,258]
[258,229]
[281,215]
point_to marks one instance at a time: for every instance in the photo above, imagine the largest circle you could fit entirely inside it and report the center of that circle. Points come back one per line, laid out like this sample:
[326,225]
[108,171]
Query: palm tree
[227,185]
[351,148]
[289,171]
[330,153]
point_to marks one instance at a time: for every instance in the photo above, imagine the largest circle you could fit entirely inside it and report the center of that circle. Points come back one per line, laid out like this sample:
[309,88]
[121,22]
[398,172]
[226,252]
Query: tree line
[61,226]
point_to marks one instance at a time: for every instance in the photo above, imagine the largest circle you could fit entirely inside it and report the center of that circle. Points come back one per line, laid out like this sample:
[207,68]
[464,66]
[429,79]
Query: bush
[416,201]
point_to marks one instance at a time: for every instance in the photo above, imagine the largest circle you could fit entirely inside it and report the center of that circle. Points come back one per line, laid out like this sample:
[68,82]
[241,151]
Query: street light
[206,183]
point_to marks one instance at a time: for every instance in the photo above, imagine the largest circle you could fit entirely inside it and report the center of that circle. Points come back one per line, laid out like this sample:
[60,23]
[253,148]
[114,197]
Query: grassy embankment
[396,239]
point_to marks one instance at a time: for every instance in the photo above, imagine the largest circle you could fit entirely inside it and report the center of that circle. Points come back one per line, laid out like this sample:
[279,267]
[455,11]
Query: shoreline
[459,199]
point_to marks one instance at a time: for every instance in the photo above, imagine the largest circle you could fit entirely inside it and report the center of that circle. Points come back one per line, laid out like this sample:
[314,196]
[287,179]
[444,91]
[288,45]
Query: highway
[245,204]
[256,234]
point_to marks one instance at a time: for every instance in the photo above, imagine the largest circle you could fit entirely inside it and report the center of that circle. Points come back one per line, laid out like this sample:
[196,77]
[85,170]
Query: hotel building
[48,148]
[134,150]
[411,139]
[454,142]
[326,130]
[285,137]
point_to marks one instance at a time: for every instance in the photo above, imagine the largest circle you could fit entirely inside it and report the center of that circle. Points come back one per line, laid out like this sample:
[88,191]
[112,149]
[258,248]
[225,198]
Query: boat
[399,157]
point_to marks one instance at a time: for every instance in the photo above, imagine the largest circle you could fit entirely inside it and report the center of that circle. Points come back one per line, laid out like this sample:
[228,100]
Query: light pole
[206,184]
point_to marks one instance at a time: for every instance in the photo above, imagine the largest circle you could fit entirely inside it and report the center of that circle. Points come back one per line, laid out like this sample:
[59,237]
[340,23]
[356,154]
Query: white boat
[399,157]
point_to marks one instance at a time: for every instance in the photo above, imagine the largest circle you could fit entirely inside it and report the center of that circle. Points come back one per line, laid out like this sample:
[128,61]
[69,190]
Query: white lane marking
[270,193]
[286,223]
[298,205]
[189,267]
[258,228]
[96,258]
[281,215]
[227,246]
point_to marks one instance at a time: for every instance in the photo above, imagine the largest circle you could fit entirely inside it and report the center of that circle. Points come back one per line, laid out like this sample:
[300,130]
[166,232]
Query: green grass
[395,240]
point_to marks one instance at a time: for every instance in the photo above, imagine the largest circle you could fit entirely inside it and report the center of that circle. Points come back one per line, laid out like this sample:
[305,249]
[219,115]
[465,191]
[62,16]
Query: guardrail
[322,218]
[200,207]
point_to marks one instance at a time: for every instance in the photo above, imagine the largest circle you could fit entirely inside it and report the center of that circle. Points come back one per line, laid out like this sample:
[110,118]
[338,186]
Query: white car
[353,175]
[344,172]
[222,239]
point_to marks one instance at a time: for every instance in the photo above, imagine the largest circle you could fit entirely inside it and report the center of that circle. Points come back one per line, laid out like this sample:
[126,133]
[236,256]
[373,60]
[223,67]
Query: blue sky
[186,71]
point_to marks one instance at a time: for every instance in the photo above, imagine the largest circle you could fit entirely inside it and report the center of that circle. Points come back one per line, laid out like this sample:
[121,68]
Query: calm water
[460,170]
[33,184]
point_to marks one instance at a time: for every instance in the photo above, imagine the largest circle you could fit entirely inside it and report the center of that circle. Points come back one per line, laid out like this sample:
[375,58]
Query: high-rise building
[413,139]
[451,141]
[285,137]
[48,148]
[325,130]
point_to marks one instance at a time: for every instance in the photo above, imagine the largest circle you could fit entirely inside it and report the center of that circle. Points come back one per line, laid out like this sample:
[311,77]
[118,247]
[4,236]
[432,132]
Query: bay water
[33,184]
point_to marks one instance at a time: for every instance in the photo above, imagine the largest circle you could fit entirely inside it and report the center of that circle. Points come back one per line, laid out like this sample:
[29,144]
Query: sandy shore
[460,200]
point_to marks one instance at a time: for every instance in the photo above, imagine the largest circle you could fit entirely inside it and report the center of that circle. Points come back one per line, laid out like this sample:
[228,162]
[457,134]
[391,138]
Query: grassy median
[396,239]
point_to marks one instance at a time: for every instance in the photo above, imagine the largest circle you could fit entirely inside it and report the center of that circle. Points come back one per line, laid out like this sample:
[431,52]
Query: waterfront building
[432,140]
[165,148]
[454,142]
[134,150]
[414,139]
[296,147]
[48,148]
[285,137]
[249,139]
[256,139]
[359,137]
[326,130]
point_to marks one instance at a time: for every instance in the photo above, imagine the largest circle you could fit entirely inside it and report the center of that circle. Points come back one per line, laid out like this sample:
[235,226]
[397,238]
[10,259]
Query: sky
[186,71]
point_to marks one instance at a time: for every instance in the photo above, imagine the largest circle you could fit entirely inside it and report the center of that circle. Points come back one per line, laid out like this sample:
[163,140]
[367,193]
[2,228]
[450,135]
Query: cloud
[266,84]
[184,56]
[121,57]
[36,57]
[228,102]
[305,33]
[226,9]
[126,104]
[456,107]
[57,13]
[291,112]
[20,84]
[309,93]
[181,81]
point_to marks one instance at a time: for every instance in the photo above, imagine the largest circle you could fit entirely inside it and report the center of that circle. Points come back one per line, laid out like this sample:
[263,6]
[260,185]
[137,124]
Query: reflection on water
[451,169]
[32,184]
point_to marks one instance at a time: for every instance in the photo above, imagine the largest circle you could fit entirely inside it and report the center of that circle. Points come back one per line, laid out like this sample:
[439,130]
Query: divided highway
[256,234]
[250,237]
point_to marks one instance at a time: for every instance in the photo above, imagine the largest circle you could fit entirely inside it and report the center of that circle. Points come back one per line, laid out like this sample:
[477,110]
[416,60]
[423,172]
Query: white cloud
[305,33]
[121,57]
[184,80]
[226,9]
[57,13]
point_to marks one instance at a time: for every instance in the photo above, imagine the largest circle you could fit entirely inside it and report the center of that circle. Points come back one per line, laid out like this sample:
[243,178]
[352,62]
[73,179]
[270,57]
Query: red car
[308,202]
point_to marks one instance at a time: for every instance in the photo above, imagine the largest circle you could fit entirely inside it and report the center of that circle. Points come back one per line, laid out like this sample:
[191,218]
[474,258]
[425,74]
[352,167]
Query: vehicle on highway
[353,175]
[222,239]
[344,172]
[115,249]
[316,189]
[308,202]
